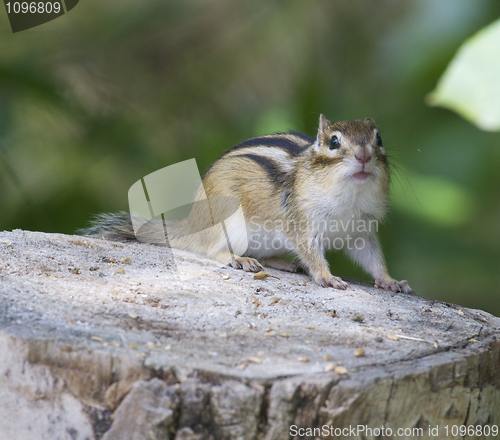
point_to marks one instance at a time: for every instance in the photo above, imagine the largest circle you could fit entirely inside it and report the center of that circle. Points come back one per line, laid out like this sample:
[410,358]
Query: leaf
[470,85]
[435,199]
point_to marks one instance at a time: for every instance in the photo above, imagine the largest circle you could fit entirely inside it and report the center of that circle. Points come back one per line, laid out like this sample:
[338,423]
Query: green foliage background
[114,90]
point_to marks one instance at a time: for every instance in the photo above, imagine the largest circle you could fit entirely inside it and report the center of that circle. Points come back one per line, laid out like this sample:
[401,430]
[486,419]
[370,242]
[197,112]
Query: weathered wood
[94,348]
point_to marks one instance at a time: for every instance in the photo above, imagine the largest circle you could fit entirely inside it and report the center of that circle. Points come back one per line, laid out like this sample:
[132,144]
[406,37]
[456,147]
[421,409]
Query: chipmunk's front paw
[394,286]
[247,264]
[332,281]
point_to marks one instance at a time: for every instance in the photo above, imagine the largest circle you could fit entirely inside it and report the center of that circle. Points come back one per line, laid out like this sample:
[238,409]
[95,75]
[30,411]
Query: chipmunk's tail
[117,226]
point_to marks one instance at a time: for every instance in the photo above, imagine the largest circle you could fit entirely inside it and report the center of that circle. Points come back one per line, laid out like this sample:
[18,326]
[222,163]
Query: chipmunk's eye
[379,140]
[334,143]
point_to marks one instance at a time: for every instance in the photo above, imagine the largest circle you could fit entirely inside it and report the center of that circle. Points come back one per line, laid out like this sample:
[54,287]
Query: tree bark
[109,340]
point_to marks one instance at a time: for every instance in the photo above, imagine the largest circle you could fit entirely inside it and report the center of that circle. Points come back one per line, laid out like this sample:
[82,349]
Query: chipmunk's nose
[363,155]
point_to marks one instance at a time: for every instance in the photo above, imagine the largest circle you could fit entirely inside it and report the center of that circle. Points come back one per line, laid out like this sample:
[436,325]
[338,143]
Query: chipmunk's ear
[371,122]
[322,129]
[323,122]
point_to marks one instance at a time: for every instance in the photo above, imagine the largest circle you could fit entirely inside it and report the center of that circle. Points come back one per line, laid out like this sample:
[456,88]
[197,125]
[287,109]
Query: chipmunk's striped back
[275,154]
[292,143]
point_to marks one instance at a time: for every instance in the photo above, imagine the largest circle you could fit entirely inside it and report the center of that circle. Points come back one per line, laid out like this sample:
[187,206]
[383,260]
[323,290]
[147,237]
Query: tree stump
[117,341]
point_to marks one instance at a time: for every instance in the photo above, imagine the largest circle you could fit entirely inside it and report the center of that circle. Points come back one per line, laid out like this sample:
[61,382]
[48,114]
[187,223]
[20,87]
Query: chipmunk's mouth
[362,175]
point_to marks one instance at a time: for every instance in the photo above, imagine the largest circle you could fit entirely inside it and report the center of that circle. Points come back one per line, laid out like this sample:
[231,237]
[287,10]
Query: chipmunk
[300,196]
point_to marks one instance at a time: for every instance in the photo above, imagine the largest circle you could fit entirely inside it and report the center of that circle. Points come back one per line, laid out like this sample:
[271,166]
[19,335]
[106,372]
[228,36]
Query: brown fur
[289,177]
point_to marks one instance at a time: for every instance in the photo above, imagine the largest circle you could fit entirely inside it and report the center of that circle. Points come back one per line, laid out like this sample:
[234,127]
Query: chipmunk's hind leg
[248,264]
[283,264]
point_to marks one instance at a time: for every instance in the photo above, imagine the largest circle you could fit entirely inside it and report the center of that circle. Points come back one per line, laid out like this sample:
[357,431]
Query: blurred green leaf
[434,199]
[471,84]
[277,120]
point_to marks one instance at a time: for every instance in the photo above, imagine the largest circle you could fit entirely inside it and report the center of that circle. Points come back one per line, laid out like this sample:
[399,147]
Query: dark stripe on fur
[279,177]
[382,158]
[278,140]
[359,132]
[308,139]
[325,161]
[291,147]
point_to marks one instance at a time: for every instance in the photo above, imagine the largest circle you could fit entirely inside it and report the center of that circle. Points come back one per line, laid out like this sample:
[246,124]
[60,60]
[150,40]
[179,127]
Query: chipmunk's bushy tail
[116,226]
